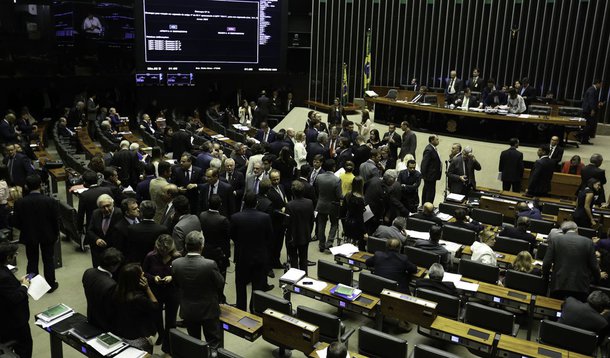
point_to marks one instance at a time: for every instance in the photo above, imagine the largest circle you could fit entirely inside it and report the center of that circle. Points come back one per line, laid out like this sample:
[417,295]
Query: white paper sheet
[315,284]
[131,352]
[418,235]
[103,350]
[38,287]
[466,286]
[345,250]
[293,275]
[368,214]
[444,217]
[456,197]
[339,172]
[44,324]
[451,277]
[452,247]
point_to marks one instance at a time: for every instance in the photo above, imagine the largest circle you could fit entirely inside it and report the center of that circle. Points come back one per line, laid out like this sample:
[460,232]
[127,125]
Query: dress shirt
[279,191]
[451,89]
[104,271]
[106,223]
[132,221]
[465,103]
[313,176]
[187,174]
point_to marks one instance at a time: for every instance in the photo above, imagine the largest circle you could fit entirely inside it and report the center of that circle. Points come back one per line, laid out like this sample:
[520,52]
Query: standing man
[370,168]
[278,198]
[556,151]
[454,86]
[590,105]
[300,225]
[156,189]
[37,218]
[92,108]
[213,186]
[187,176]
[409,181]
[99,233]
[216,229]
[200,285]
[392,139]
[181,141]
[185,222]
[18,165]
[430,169]
[99,288]
[328,187]
[542,174]
[511,167]
[253,180]
[409,141]
[141,237]
[461,171]
[250,230]
[128,165]
[475,83]
[593,170]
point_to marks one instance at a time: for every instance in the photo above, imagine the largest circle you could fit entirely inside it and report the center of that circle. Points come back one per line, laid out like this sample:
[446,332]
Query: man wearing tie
[265,134]
[419,97]
[409,141]
[333,143]
[187,176]
[18,165]
[453,88]
[476,82]
[289,103]
[235,179]
[99,233]
[556,151]
[466,101]
[277,195]
[392,139]
[215,186]
[431,168]
[253,181]
[317,168]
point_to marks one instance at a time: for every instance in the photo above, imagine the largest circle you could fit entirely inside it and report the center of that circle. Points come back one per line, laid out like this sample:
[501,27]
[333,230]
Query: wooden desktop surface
[527,348]
[461,329]
[548,303]
[358,259]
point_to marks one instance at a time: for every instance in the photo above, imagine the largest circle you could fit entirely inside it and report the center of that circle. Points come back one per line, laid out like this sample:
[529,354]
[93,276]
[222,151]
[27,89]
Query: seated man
[336,350]
[434,282]
[591,315]
[463,221]
[432,245]
[428,214]
[520,231]
[524,210]
[397,230]
[393,265]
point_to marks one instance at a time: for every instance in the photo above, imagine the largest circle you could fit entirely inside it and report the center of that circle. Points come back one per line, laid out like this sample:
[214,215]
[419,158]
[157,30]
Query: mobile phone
[307,283]
[30,276]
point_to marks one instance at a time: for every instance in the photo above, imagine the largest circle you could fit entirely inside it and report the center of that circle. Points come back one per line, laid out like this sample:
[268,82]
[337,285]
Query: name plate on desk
[284,330]
[408,308]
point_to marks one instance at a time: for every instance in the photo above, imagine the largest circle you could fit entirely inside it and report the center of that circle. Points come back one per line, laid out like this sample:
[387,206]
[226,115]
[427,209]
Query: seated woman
[434,282]
[463,221]
[524,262]
[482,250]
[574,166]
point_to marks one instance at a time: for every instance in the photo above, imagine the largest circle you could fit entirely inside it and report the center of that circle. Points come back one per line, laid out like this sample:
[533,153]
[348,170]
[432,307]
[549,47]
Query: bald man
[428,214]
[556,151]
[454,86]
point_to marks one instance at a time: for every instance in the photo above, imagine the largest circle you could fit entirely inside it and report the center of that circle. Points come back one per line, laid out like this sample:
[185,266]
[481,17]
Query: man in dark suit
[527,92]
[396,230]
[462,220]
[454,86]
[289,104]
[435,281]
[476,82]
[328,188]
[141,236]
[300,226]
[14,307]
[461,171]
[87,200]
[590,106]
[393,265]
[311,133]
[511,167]
[336,114]
[200,285]
[409,181]
[101,225]
[376,196]
[466,101]
[396,204]
[409,141]
[127,164]
[131,216]
[205,156]
[18,165]
[181,141]
[99,289]
[187,177]
[265,134]
[318,147]
[111,181]
[37,218]
[257,114]
[542,174]
[263,104]
[393,140]
[240,158]
[212,186]
[216,230]
[574,264]
[250,231]
[593,170]
[280,142]
[555,150]
[427,214]
[7,130]
[236,179]
[278,198]
[185,222]
[520,231]
[433,245]
[590,315]
[430,169]
[143,187]
[361,153]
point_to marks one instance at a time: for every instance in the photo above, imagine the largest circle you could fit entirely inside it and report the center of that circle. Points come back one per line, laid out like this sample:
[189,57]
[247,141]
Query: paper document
[11,268]
[368,214]
[131,352]
[95,344]
[466,286]
[371,93]
[451,277]
[339,172]
[537,263]
[418,235]
[38,287]
[345,250]
[129,189]
[293,275]
[44,324]
[314,285]
[456,197]
[80,190]
[450,246]
[444,217]
[542,237]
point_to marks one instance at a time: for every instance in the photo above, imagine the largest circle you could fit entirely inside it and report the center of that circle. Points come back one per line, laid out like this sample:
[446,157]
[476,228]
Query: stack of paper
[131,352]
[456,197]
[451,277]
[345,250]
[466,286]
[312,284]
[93,343]
[54,315]
[418,235]
[293,275]
[444,217]
[452,247]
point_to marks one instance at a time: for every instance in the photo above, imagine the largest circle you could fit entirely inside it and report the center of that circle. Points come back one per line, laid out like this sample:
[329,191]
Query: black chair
[184,346]
[447,305]
[550,209]
[586,232]
[376,344]
[570,111]
[539,110]
[392,94]
[416,224]
[459,235]
[424,351]
[478,271]
[567,337]
[541,251]
[374,244]
[487,217]
[420,257]
[223,353]
[510,245]
[373,284]
[541,226]
[68,223]
[430,98]
[450,209]
[335,273]
[494,319]
[331,327]
[525,282]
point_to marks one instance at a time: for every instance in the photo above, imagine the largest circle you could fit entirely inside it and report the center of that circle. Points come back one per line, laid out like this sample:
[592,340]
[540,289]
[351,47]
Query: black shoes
[54,287]
[269,288]
[271,274]
[310,263]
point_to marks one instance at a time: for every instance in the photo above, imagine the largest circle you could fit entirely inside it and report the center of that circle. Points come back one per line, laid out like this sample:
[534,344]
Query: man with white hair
[101,226]
[108,132]
[461,172]
[127,164]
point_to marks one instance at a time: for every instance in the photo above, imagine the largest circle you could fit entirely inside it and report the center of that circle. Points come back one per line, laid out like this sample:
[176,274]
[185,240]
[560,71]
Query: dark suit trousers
[22,335]
[169,301]
[428,192]
[47,250]
[516,185]
[277,244]
[256,274]
[321,227]
[96,255]
[298,256]
[589,129]
[211,331]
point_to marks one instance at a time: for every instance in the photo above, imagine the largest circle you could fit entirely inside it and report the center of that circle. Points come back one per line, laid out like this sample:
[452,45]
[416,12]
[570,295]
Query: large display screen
[184,36]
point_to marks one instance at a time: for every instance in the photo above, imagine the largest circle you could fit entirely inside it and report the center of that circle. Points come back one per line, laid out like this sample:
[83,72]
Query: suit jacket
[181,142]
[389,232]
[143,189]
[573,260]
[393,145]
[196,176]
[94,231]
[456,169]
[590,100]
[591,171]
[361,154]
[156,195]
[141,239]
[251,183]
[369,170]
[200,285]
[515,233]
[87,202]
[409,185]
[528,93]
[511,165]
[278,204]
[375,195]
[477,85]
[203,161]
[393,266]
[431,166]
[557,154]
[432,218]
[251,231]
[21,167]
[409,144]
[581,315]
[396,203]
[216,230]
[328,187]
[119,234]
[185,225]
[237,182]
[260,135]
[300,223]
[37,218]
[127,165]
[14,308]
[437,286]
[240,163]
[315,148]
[7,133]
[225,192]
[99,288]
[458,86]
[541,176]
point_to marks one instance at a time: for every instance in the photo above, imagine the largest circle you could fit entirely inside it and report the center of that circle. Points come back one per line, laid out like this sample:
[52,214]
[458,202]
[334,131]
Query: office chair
[487,217]
[450,209]
[223,353]
[376,344]
[430,98]
[541,251]
[550,209]
[331,327]
[416,224]
[567,337]
[373,284]
[510,245]
[478,271]
[586,232]
[392,94]
[447,305]
[526,282]
[494,319]
[420,257]
[184,346]
[459,235]
[570,112]
[374,244]
[335,273]
[424,351]
[539,110]
[541,226]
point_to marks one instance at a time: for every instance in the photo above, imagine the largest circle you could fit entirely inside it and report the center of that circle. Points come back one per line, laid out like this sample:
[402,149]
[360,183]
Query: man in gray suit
[185,221]
[156,189]
[369,169]
[328,188]
[572,258]
[409,141]
[253,180]
[397,230]
[200,285]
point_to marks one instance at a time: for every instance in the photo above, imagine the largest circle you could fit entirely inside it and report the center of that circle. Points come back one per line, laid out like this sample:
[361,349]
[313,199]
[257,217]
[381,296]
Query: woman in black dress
[583,215]
[354,208]
[374,140]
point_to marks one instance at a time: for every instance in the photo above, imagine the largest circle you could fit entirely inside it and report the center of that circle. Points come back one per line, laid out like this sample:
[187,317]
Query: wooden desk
[348,108]
[462,333]
[241,323]
[57,175]
[358,259]
[562,185]
[504,262]
[207,131]
[505,207]
[549,307]
[91,149]
[504,296]
[323,345]
[515,347]
[522,197]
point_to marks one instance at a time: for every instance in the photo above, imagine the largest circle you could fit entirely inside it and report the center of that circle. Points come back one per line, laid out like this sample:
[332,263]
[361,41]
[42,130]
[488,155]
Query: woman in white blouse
[364,127]
[300,153]
[245,113]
